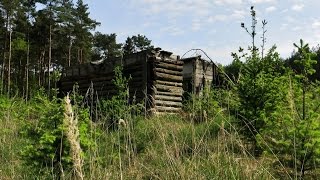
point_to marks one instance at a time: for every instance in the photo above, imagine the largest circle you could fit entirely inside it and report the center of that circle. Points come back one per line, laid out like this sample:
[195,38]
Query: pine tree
[258,88]
[136,43]
[9,7]
[292,131]
[106,46]
[82,27]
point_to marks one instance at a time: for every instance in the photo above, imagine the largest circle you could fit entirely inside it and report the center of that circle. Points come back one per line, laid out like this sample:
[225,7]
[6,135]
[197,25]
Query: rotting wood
[162,76]
[168,88]
[166,109]
[156,78]
[177,84]
[68,83]
[103,78]
[169,61]
[168,66]
[173,94]
[168,98]
[166,71]
[168,103]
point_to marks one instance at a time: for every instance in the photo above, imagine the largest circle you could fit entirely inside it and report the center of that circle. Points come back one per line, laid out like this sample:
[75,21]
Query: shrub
[48,151]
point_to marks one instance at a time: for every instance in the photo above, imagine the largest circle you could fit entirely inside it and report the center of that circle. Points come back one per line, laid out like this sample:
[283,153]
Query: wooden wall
[198,73]
[156,79]
[167,83]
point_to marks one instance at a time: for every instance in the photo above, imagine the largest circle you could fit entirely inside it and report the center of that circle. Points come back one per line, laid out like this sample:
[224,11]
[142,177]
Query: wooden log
[168,103]
[136,79]
[168,98]
[166,71]
[167,109]
[101,78]
[176,84]
[162,76]
[175,94]
[105,92]
[169,61]
[69,86]
[165,88]
[133,59]
[101,83]
[67,83]
[168,66]
[97,84]
[133,67]
[68,72]
[76,71]
[133,74]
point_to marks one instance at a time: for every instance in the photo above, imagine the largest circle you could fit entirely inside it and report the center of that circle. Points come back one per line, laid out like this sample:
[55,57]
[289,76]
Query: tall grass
[181,146]
[11,116]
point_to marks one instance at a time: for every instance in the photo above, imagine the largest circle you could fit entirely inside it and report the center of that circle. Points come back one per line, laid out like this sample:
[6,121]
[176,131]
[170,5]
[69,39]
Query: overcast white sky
[212,25]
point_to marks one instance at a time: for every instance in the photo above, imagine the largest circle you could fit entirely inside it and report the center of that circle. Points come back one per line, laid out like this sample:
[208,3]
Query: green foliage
[204,106]
[233,70]
[305,60]
[292,131]
[119,106]
[259,84]
[295,138]
[106,46]
[136,43]
[47,147]
[19,44]
[259,91]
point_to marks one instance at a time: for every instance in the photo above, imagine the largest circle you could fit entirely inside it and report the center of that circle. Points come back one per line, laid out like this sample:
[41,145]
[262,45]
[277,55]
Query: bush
[48,151]
[202,107]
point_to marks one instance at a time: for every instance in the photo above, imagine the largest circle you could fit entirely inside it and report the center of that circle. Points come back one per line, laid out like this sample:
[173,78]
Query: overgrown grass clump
[160,147]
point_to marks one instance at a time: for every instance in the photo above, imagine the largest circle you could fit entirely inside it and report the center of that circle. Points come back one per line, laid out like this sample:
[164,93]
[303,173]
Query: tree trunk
[9,62]
[81,54]
[49,59]
[69,53]
[3,72]
[3,65]
[78,55]
[27,70]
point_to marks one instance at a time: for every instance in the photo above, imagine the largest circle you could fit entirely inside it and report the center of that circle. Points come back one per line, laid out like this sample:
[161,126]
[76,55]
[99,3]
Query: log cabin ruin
[156,79]
[198,73]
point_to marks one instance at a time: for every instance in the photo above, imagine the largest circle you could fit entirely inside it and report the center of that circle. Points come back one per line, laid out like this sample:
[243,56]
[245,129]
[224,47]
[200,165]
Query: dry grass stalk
[72,133]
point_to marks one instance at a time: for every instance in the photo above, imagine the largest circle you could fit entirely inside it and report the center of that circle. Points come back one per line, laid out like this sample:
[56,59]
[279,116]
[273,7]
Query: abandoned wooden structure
[156,79]
[198,73]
